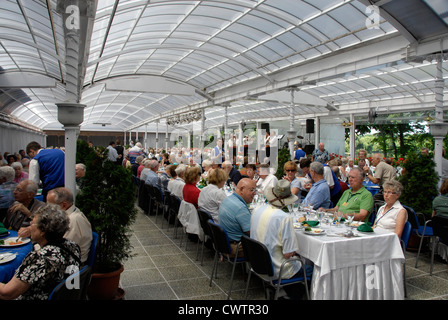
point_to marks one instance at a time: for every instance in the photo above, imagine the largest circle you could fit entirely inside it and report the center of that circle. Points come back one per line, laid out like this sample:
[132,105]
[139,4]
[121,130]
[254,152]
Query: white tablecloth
[368,267]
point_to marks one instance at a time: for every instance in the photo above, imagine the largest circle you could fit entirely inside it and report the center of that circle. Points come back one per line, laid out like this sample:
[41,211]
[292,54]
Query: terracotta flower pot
[104,286]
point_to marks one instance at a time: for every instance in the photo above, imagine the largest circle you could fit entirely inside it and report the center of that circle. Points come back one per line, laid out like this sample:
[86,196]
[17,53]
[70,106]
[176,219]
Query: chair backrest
[175,202]
[73,287]
[92,251]
[412,217]
[440,228]
[167,197]
[219,237]
[257,254]
[405,235]
[204,216]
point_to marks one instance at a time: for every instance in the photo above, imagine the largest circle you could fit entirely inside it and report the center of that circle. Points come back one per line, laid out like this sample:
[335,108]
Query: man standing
[234,214]
[357,199]
[136,151]
[320,154]
[18,216]
[112,155]
[80,230]
[273,227]
[319,194]
[47,165]
[299,153]
[217,153]
[120,151]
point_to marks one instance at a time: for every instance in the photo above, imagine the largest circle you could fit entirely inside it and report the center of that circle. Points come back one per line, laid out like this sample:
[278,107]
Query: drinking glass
[338,216]
[350,216]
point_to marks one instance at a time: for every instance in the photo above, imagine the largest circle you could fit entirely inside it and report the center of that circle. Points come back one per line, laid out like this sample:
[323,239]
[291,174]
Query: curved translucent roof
[144,61]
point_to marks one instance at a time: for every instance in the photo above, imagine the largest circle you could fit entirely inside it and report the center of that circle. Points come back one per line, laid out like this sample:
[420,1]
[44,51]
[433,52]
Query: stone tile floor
[164,267]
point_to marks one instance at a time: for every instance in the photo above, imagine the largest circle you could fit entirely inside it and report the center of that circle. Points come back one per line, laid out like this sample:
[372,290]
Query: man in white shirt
[112,155]
[80,230]
[267,179]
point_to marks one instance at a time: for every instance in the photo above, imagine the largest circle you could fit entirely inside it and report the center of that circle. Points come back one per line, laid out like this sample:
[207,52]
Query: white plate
[356,224]
[13,239]
[6,257]
[298,225]
[315,232]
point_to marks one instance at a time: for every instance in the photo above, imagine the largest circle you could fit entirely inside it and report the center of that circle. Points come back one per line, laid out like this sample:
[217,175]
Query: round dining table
[8,268]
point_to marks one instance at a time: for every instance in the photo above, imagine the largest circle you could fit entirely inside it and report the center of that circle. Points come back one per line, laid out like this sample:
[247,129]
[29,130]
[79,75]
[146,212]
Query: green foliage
[108,201]
[420,182]
[82,151]
[283,157]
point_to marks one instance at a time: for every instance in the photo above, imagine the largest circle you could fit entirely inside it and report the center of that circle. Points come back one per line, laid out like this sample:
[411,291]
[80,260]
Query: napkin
[3,229]
[365,227]
[311,223]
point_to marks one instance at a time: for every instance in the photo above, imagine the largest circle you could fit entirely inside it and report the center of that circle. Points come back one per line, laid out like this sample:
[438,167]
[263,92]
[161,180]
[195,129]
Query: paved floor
[162,269]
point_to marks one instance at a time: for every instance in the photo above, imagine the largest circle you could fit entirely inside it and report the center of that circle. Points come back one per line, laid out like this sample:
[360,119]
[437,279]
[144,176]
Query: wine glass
[349,217]
[338,216]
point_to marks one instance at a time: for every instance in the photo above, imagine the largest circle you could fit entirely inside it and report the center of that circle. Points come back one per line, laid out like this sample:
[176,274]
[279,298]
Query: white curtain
[13,138]
[333,136]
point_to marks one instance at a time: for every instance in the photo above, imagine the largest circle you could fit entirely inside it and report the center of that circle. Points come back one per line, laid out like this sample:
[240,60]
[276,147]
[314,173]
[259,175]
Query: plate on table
[315,231]
[298,225]
[12,242]
[6,257]
[356,224]
[5,234]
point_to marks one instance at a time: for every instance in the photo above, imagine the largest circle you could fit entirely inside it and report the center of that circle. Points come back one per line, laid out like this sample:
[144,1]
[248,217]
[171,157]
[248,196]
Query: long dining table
[8,268]
[366,266]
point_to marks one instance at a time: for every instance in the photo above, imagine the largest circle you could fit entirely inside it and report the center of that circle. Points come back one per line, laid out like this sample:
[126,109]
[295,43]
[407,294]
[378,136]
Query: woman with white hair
[20,174]
[7,187]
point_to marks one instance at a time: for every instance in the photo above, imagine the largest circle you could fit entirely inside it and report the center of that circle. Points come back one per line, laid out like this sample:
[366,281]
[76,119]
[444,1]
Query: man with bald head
[80,230]
[18,216]
[234,214]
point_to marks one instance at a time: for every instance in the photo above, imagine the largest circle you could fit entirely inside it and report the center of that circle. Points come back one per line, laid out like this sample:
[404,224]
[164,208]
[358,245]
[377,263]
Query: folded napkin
[365,228]
[311,223]
[3,230]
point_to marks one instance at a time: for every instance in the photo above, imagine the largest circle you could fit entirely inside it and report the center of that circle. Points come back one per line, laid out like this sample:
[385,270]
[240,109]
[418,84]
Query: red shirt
[191,194]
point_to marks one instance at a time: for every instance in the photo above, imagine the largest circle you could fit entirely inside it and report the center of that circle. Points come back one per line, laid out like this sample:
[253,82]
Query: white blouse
[388,220]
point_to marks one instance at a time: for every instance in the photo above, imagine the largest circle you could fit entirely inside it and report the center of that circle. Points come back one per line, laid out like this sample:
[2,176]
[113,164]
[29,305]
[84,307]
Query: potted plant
[419,179]
[107,200]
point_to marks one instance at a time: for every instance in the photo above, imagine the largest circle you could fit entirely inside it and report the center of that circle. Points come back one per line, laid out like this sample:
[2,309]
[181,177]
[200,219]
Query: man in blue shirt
[299,152]
[47,165]
[319,194]
[234,214]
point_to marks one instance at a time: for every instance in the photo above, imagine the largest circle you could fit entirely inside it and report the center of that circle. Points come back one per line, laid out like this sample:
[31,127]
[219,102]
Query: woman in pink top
[20,174]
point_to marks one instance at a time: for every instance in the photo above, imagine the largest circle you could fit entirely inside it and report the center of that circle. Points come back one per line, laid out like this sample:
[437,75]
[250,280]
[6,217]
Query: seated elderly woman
[290,168]
[440,203]
[43,269]
[190,192]
[20,174]
[212,195]
[207,165]
[392,216]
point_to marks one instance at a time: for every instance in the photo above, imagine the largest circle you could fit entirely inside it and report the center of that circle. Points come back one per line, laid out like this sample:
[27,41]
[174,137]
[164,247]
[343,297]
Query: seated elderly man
[357,199]
[267,179]
[234,174]
[274,227]
[80,230]
[151,176]
[18,216]
[80,172]
[319,194]
[234,214]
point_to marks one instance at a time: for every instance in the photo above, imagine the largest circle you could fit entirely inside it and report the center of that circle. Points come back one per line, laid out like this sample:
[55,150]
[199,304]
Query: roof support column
[291,134]
[78,16]
[157,135]
[146,136]
[166,137]
[438,129]
[317,132]
[352,136]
